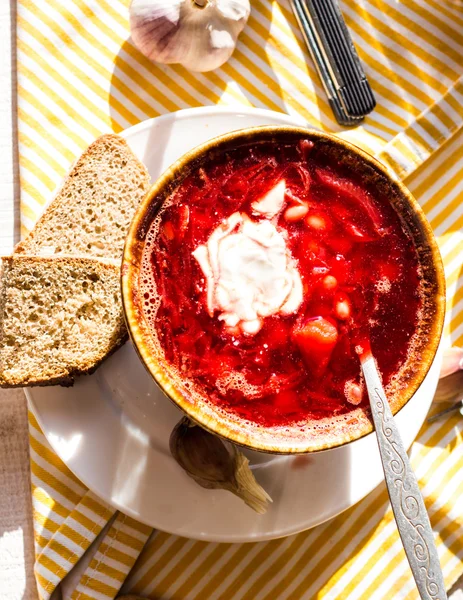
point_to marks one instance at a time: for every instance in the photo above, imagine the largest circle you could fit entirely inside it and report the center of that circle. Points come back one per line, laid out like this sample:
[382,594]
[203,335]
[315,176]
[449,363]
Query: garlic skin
[198,34]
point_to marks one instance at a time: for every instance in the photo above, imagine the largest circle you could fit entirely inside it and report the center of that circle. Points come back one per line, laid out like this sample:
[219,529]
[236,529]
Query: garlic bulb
[450,387]
[216,465]
[199,34]
[452,361]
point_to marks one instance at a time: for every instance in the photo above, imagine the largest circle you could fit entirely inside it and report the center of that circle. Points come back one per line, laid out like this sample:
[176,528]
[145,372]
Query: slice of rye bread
[91,212]
[59,317]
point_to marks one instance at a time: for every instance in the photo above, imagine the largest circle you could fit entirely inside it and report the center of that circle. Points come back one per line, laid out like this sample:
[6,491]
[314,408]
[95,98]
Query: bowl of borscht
[253,268]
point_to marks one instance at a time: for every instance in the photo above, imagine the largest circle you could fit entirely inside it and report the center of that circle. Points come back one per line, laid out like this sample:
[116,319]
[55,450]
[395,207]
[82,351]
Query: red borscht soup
[262,273]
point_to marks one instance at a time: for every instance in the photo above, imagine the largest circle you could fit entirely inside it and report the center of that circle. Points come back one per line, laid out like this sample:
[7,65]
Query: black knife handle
[353,89]
[320,59]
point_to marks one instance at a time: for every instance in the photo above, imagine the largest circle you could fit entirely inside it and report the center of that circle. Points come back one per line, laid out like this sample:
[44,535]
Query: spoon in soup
[404,492]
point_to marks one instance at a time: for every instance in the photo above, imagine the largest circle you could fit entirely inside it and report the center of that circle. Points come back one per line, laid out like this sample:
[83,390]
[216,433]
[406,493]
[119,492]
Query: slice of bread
[59,317]
[92,211]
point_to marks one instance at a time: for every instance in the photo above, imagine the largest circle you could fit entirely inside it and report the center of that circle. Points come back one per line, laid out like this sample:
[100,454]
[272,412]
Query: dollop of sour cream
[249,271]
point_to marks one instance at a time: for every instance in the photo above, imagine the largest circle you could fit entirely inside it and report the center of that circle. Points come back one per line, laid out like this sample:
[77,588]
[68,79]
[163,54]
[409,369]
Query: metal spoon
[404,493]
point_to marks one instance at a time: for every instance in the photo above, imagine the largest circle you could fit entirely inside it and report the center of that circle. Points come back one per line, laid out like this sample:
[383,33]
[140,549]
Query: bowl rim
[139,330]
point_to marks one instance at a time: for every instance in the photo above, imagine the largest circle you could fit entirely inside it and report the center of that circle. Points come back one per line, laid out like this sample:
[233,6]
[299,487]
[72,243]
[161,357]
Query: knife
[337,62]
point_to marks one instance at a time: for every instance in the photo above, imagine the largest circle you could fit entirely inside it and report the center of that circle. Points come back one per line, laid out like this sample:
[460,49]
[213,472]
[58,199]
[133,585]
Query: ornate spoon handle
[404,493]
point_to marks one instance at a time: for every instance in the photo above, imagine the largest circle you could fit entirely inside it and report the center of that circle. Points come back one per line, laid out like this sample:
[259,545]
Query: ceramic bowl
[322,434]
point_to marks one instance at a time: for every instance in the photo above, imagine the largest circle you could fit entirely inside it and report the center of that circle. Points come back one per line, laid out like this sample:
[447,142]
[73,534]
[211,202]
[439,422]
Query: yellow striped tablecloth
[79,75]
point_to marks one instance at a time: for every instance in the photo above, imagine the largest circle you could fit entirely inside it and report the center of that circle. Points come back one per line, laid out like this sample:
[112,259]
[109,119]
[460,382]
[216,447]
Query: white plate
[112,428]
